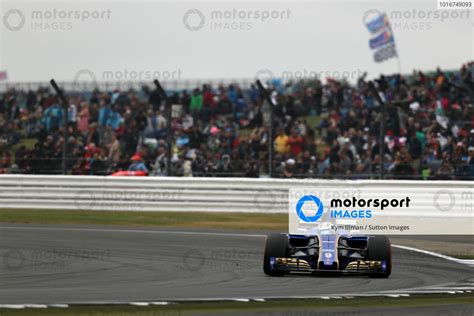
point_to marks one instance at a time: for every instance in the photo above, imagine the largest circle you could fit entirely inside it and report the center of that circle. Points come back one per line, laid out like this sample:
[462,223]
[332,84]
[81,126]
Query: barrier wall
[178,194]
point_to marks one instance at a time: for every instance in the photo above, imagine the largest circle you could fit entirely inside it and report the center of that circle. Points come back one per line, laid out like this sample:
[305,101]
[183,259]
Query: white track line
[435,254]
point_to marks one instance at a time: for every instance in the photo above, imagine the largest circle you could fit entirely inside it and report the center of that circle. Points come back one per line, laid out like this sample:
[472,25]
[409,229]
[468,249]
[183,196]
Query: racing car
[328,253]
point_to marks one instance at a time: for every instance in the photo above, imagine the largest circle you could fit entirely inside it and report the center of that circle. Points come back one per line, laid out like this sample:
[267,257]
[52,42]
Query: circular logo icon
[265,75]
[193,260]
[17,16]
[444,200]
[265,202]
[85,200]
[88,75]
[189,19]
[314,203]
[328,255]
[369,16]
[13,260]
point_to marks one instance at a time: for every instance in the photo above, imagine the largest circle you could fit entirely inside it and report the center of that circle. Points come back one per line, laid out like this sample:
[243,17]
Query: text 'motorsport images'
[236,158]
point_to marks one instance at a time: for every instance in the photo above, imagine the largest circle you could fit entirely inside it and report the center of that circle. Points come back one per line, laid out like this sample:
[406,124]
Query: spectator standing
[83,122]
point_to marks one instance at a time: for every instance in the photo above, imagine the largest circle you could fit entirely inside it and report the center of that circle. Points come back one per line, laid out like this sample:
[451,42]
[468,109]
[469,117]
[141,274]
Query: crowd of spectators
[321,129]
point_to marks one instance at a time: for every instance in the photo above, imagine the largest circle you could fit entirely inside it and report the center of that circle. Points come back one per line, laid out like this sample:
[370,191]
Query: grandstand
[322,129]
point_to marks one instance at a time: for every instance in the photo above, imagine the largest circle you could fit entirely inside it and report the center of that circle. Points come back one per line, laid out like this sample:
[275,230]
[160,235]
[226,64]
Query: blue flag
[381,40]
[378,23]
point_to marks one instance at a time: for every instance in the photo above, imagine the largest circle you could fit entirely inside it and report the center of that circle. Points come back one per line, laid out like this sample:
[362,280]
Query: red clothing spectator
[296,143]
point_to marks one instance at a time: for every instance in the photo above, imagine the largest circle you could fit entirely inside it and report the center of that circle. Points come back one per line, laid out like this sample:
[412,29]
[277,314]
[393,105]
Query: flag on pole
[3,75]
[385,53]
[377,24]
[382,40]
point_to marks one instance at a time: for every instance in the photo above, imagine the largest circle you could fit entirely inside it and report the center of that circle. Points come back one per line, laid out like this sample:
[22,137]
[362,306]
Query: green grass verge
[464,256]
[355,305]
[248,221]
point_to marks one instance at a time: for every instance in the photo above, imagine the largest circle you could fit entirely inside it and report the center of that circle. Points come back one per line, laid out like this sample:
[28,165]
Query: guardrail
[179,194]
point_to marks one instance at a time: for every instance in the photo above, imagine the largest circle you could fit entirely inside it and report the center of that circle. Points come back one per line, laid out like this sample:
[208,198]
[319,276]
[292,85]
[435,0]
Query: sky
[188,40]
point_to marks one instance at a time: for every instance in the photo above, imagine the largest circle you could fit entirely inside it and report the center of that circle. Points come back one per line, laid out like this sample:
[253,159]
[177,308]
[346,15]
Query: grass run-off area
[354,306]
[248,221]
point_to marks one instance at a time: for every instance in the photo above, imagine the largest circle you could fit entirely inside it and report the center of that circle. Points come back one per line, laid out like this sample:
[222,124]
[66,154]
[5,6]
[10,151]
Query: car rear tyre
[276,246]
[379,249]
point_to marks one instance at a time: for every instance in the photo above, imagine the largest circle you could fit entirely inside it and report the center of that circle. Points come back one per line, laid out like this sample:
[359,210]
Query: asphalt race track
[72,264]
